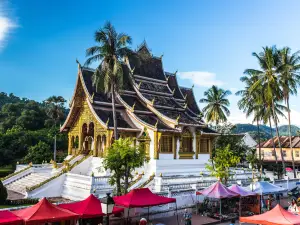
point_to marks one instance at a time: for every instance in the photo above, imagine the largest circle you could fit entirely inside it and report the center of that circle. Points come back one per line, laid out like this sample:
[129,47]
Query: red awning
[276,216]
[218,190]
[6,218]
[88,208]
[141,197]
[44,212]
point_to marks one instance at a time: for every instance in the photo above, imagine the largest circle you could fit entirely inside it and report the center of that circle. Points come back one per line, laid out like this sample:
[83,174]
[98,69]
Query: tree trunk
[54,149]
[290,135]
[278,137]
[114,111]
[126,181]
[118,183]
[274,147]
[259,149]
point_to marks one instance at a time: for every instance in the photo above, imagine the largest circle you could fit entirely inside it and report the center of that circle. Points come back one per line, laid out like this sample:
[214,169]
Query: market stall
[266,191]
[249,201]
[8,218]
[89,209]
[219,194]
[142,198]
[45,212]
[276,216]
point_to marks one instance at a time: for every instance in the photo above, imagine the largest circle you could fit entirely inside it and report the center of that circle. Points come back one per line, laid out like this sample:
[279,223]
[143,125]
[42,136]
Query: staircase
[30,180]
[76,187]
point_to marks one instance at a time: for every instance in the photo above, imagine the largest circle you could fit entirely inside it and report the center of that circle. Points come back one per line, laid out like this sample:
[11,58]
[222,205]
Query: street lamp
[107,205]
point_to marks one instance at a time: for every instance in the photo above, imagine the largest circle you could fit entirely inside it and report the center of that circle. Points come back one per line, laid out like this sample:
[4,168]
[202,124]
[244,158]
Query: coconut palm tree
[268,80]
[55,111]
[216,109]
[289,81]
[111,49]
[251,103]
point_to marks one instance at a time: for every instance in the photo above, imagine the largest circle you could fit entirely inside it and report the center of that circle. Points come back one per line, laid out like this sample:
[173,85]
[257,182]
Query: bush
[3,193]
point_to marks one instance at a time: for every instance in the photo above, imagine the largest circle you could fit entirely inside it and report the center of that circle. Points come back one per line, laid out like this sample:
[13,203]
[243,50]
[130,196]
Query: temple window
[297,154]
[91,129]
[73,142]
[166,144]
[284,153]
[204,146]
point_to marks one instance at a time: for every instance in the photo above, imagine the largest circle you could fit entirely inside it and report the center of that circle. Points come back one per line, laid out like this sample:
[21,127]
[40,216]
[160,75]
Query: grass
[12,206]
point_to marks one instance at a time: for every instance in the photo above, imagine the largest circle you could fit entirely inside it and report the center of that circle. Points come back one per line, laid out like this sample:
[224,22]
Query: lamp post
[107,205]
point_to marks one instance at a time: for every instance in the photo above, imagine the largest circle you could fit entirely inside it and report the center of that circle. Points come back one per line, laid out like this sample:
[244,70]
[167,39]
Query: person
[232,222]
[293,208]
[187,217]
[269,202]
[143,221]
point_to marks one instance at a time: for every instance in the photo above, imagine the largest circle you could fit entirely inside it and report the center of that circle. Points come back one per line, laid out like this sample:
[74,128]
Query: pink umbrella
[241,191]
[288,169]
[219,191]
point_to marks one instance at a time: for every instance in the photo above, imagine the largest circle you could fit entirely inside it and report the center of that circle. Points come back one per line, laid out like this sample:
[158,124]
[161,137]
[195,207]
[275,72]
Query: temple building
[151,108]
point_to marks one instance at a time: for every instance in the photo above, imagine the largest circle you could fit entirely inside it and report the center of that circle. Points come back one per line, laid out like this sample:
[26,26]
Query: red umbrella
[45,212]
[276,216]
[8,218]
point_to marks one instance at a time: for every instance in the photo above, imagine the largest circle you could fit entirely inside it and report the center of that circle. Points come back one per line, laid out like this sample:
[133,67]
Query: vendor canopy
[264,188]
[44,212]
[218,190]
[241,191]
[6,217]
[141,197]
[276,216]
[88,208]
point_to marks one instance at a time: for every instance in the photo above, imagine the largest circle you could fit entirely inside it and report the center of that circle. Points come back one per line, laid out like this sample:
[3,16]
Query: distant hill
[265,131]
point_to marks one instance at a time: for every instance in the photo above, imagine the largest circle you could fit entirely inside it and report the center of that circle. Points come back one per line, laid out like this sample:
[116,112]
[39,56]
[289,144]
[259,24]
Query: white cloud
[202,79]
[6,25]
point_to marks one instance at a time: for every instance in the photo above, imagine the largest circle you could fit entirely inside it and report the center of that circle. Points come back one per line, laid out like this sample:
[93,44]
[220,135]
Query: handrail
[15,173]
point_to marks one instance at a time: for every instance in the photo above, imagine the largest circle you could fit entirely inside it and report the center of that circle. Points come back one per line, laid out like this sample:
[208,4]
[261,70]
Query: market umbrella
[276,216]
[8,218]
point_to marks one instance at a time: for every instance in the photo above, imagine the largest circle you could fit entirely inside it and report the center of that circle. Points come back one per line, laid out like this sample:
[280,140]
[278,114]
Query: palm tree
[111,49]
[251,103]
[289,81]
[268,80]
[216,109]
[55,110]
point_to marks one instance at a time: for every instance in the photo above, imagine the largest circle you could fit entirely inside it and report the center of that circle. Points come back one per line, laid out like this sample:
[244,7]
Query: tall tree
[251,103]
[216,109]
[289,81]
[55,110]
[268,80]
[111,49]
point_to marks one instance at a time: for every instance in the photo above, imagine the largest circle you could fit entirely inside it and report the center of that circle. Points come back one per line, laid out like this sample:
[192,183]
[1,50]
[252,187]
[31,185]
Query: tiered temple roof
[149,96]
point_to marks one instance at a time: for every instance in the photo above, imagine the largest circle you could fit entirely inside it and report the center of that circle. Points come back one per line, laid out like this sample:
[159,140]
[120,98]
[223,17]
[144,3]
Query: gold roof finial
[133,106]
[175,72]
[168,78]
[153,100]
[177,119]
[139,85]
[132,71]
[161,56]
[173,91]
[93,96]
[107,121]
[185,96]
[156,123]
[185,105]
[79,65]
[193,86]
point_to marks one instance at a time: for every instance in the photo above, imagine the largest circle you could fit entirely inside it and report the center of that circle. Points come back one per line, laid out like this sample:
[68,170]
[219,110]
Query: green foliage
[23,123]
[222,161]
[38,153]
[122,158]
[3,193]
[237,145]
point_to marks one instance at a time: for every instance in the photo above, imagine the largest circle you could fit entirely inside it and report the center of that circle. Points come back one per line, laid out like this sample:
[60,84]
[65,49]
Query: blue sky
[208,42]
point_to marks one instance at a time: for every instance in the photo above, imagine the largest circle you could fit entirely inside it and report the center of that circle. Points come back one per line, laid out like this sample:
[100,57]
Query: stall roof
[44,212]
[141,197]
[241,191]
[6,218]
[276,216]
[88,208]
[264,188]
[218,190]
